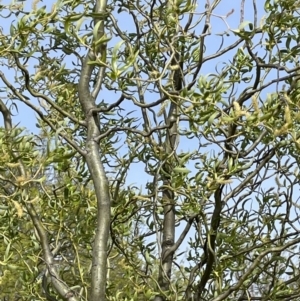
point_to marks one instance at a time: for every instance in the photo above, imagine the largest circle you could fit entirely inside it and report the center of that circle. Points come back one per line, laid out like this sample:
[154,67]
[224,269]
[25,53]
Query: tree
[164,161]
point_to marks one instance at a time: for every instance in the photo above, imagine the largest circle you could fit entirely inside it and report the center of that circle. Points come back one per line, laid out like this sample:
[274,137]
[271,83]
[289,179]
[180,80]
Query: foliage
[164,159]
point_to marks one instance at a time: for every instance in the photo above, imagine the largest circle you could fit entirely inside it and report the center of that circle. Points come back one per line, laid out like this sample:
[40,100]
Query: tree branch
[58,284]
[95,165]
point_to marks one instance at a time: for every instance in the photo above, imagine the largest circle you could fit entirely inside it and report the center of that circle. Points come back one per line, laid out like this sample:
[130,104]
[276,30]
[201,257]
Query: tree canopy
[149,150]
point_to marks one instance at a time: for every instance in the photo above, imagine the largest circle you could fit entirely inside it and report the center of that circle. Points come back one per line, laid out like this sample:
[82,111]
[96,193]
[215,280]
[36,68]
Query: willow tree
[163,163]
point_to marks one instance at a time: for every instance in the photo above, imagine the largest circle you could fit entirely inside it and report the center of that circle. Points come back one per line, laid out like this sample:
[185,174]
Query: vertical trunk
[98,175]
[93,158]
[99,264]
[171,118]
[168,237]
[168,202]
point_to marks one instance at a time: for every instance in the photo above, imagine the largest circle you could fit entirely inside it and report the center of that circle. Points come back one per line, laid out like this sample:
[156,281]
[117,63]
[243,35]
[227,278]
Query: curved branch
[258,67]
[201,50]
[250,270]
[110,107]
[209,247]
[39,95]
[218,54]
[93,159]
[59,285]
[182,236]
[26,101]
[250,176]
[129,129]
[99,80]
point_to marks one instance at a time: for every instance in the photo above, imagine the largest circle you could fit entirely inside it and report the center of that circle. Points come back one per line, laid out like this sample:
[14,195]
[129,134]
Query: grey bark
[93,159]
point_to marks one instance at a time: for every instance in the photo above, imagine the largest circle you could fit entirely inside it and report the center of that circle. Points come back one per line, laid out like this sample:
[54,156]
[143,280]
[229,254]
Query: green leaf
[181,170]
[212,118]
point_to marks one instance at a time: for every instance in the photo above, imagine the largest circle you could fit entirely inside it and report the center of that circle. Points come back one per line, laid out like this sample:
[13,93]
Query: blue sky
[226,17]
[137,176]
[27,118]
